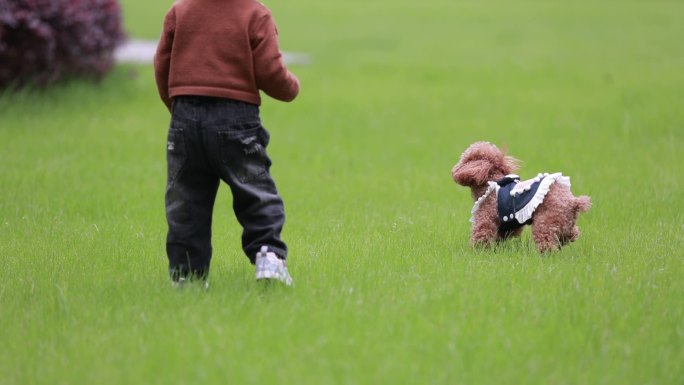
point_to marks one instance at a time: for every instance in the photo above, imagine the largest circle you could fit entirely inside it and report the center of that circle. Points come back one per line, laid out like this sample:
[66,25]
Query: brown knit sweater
[221,48]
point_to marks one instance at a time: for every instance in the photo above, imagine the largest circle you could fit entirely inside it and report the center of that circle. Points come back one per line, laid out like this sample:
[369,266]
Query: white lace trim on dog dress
[516,200]
[491,186]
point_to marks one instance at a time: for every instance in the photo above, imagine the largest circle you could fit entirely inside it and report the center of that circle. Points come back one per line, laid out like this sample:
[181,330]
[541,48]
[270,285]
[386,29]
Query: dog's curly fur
[553,222]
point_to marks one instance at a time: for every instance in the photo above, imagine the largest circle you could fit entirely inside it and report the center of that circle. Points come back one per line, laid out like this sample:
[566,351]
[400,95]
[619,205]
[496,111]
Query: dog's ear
[473,173]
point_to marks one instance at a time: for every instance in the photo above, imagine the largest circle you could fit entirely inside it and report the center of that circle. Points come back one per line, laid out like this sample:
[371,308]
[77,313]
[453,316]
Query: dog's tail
[582,203]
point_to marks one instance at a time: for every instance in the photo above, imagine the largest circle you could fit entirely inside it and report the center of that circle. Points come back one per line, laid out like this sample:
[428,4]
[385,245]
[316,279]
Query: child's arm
[162,58]
[272,76]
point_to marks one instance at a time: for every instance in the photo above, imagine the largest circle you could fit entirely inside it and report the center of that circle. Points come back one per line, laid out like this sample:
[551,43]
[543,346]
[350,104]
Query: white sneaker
[269,266]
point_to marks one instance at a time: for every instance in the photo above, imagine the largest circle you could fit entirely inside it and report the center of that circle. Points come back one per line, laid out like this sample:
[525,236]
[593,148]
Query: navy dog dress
[516,200]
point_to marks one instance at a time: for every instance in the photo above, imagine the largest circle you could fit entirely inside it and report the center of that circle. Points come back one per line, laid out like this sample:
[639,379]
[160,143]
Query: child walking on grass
[212,60]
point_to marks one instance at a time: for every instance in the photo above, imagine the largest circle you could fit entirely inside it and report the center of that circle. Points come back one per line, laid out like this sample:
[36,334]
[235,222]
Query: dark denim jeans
[210,140]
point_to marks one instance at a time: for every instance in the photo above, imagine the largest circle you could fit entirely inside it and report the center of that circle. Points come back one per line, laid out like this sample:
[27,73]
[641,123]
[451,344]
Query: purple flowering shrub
[43,41]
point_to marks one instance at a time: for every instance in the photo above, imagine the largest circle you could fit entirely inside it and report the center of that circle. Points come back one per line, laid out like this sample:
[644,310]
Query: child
[211,62]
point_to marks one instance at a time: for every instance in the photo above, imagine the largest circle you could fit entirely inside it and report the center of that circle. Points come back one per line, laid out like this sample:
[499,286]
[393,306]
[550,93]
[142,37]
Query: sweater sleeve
[272,75]
[162,58]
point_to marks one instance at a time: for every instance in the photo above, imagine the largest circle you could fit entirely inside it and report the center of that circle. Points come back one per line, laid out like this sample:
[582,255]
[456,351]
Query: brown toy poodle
[504,204]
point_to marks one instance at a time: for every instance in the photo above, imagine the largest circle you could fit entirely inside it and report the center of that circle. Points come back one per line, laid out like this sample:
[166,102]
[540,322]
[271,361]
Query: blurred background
[388,288]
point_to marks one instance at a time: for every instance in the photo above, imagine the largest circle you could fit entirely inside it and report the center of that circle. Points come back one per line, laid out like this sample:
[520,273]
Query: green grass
[388,291]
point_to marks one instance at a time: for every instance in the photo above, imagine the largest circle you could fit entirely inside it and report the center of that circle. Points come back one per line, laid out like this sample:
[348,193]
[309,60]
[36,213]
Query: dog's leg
[545,238]
[484,233]
[554,220]
[546,231]
[570,236]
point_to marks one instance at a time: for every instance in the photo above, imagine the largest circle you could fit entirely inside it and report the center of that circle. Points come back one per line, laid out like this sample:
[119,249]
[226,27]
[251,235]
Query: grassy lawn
[388,290]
